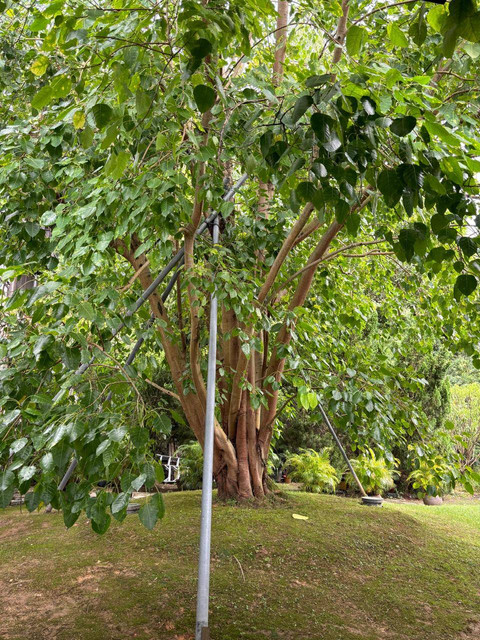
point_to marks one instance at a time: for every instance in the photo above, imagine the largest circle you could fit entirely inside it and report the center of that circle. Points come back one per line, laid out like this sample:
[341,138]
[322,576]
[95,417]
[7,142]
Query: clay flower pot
[432,501]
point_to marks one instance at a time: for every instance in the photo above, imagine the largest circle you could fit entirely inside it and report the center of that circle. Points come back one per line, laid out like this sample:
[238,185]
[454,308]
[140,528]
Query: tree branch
[162,389]
[341,32]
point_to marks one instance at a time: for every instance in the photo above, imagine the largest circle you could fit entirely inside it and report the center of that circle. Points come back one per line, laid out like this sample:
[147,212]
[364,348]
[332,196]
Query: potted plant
[313,469]
[431,478]
[375,475]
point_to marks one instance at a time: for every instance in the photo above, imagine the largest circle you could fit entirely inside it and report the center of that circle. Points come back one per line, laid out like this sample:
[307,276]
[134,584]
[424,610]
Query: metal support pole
[67,475]
[203,588]
[342,450]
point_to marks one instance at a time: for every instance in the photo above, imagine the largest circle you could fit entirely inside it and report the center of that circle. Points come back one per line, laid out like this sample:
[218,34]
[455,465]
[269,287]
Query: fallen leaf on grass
[297,516]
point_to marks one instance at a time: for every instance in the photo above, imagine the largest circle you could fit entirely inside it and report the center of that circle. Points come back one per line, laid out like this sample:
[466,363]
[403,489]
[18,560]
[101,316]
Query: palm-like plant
[313,469]
[374,473]
[191,466]
[431,477]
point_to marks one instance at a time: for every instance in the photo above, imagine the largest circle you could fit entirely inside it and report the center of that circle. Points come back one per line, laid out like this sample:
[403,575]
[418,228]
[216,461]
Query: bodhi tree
[123,122]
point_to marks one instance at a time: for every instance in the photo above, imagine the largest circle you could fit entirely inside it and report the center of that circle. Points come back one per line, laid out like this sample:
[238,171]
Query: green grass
[403,572]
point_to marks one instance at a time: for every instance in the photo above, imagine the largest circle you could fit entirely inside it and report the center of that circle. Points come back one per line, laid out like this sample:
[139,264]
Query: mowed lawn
[402,572]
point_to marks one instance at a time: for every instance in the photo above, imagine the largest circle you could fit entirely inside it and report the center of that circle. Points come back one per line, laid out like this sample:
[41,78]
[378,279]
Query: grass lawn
[403,572]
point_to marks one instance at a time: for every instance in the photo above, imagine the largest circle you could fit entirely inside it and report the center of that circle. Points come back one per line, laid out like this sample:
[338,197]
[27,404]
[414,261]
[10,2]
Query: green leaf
[204,97]
[102,114]
[356,37]
[468,246]
[101,525]
[18,445]
[148,514]
[418,30]
[470,28]
[120,502]
[464,17]
[324,128]
[438,222]
[437,17]
[117,435]
[390,186]
[143,103]
[38,24]
[7,479]
[32,500]
[47,463]
[85,310]
[42,97]
[86,137]
[39,65]
[353,224]
[41,344]
[473,50]
[342,210]
[201,48]
[26,473]
[116,164]
[450,39]
[70,517]
[407,239]
[78,119]
[397,37]
[412,176]
[306,191]
[162,424]
[403,126]
[438,130]
[157,500]
[159,472]
[392,77]
[317,81]
[6,496]
[61,86]
[466,284]
[369,106]
[138,482]
[301,106]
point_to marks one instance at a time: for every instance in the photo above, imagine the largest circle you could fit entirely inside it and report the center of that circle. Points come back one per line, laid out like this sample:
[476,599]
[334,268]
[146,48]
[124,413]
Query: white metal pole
[203,588]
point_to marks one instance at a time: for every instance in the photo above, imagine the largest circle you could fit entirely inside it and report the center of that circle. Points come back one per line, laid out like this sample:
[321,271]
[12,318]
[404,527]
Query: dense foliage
[191,466]
[313,470]
[374,473]
[121,123]
[431,477]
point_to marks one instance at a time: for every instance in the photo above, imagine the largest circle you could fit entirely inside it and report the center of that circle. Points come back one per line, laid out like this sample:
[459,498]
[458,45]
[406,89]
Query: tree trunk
[248,478]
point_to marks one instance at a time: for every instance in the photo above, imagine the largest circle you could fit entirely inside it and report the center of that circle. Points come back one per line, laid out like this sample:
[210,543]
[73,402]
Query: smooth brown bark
[341,32]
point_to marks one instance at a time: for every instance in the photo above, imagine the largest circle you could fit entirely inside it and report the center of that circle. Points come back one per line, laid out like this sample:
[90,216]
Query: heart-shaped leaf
[403,126]
[204,97]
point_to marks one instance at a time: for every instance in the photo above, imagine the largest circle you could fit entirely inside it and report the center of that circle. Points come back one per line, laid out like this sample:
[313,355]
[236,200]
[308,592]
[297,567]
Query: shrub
[374,473]
[191,466]
[313,469]
[432,477]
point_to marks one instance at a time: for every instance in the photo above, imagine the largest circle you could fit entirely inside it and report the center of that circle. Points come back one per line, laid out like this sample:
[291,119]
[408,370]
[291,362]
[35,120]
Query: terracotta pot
[432,501]
[287,480]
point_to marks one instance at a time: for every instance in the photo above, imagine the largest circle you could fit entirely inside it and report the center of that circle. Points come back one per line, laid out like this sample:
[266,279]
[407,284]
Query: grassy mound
[404,572]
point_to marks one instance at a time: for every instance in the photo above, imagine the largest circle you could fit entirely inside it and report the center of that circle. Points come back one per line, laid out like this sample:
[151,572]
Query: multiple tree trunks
[243,435]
